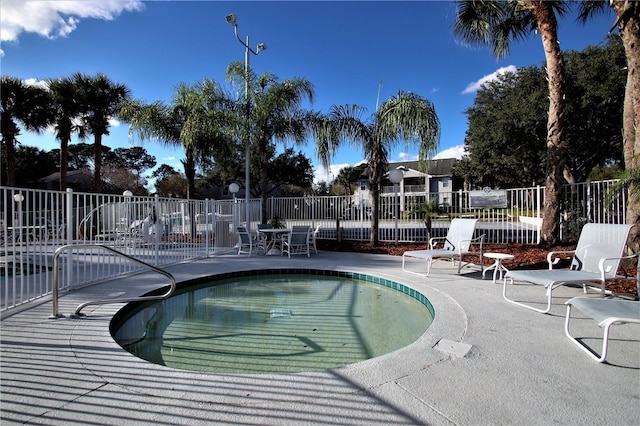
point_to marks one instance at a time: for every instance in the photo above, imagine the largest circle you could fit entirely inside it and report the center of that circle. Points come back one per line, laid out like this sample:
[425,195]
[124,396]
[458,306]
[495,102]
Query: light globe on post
[233,189]
[19,198]
[396,176]
[233,20]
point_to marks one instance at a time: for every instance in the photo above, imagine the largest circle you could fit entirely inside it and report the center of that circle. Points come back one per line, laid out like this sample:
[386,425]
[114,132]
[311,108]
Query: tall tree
[21,105]
[195,120]
[32,164]
[66,110]
[512,151]
[628,23]
[405,117]
[495,23]
[136,159]
[274,114]
[100,99]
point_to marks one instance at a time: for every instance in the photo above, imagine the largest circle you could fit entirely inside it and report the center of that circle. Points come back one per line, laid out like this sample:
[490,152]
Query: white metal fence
[163,231]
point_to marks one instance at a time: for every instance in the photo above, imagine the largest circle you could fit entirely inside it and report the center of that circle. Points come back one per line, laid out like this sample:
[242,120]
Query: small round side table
[498,267]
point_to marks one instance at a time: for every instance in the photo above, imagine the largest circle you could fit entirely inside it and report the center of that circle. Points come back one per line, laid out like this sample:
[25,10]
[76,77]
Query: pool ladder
[77,313]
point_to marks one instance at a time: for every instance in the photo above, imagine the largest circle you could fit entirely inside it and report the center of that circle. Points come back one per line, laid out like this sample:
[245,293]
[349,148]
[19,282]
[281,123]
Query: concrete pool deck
[520,367]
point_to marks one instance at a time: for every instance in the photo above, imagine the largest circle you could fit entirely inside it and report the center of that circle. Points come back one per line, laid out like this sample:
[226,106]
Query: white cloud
[476,85]
[34,82]
[53,19]
[453,152]
[320,173]
[405,156]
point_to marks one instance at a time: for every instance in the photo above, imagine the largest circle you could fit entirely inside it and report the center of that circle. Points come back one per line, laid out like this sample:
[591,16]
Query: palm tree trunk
[374,183]
[9,132]
[190,173]
[10,153]
[264,182]
[630,33]
[97,163]
[556,145]
[64,160]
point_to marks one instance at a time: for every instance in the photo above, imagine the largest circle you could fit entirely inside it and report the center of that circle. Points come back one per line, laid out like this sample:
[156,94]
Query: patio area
[520,368]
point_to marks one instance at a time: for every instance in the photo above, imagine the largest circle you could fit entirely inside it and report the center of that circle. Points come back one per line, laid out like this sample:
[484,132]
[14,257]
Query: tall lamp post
[396,176]
[232,20]
[234,188]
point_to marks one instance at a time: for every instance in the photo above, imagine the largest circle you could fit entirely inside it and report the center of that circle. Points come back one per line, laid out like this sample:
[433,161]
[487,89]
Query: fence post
[69,236]
[313,211]
[206,226]
[156,206]
[538,211]
[588,201]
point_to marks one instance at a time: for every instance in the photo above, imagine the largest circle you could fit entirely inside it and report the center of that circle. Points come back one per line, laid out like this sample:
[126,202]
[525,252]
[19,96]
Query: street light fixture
[232,20]
[396,176]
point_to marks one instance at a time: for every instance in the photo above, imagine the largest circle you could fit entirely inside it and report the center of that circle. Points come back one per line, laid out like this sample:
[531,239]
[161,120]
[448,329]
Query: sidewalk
[520,369]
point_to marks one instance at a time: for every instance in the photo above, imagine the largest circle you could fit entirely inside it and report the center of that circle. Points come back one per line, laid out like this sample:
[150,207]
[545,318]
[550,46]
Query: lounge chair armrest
[465,245]
[606,264]
[437,240]
[553,258]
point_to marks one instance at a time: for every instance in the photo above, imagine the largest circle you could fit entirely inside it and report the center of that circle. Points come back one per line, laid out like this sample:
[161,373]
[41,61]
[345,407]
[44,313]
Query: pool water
[275,324]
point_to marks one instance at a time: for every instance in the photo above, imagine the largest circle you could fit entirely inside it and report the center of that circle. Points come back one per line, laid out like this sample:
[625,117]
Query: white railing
[164,231]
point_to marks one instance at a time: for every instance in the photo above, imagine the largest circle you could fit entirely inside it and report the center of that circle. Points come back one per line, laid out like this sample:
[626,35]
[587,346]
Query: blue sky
[350,51]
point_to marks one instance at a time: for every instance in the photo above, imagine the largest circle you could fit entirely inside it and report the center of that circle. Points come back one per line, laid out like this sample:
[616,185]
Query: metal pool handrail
[62,249]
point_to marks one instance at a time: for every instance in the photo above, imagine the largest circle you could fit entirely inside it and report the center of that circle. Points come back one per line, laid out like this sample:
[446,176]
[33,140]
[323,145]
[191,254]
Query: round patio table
[497,266]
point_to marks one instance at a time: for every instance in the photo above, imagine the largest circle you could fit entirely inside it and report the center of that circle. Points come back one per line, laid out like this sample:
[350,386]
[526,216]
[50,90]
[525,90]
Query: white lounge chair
[606,312]
[296,241]
[595,260]
[249,243]
[314,237]
[458,242]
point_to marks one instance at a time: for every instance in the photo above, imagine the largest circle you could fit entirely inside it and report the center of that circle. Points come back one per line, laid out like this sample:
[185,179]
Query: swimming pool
[274,321]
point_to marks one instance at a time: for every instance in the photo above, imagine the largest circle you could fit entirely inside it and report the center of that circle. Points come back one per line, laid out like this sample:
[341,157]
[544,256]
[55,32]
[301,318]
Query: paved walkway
[520,368]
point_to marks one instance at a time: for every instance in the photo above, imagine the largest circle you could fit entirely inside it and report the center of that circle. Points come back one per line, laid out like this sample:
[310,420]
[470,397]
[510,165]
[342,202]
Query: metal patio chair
[297,241]
[249,243]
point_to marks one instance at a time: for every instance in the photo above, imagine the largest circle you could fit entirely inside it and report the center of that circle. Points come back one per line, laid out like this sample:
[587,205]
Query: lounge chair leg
[542,311]
[416,273]
[585,348]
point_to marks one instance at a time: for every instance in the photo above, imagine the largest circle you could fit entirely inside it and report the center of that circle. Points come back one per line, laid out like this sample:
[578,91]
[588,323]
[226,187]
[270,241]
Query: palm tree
[406,116]
[273,112]
[195,119]
[66,111]
[628,22]
[430,208]
[494,24]
[100,100]
[24,105]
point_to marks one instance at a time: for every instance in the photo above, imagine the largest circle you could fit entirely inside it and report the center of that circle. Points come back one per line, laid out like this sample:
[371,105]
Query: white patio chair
[458,242]
[606,312]
[595,260]
[249,243]
[297,241]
